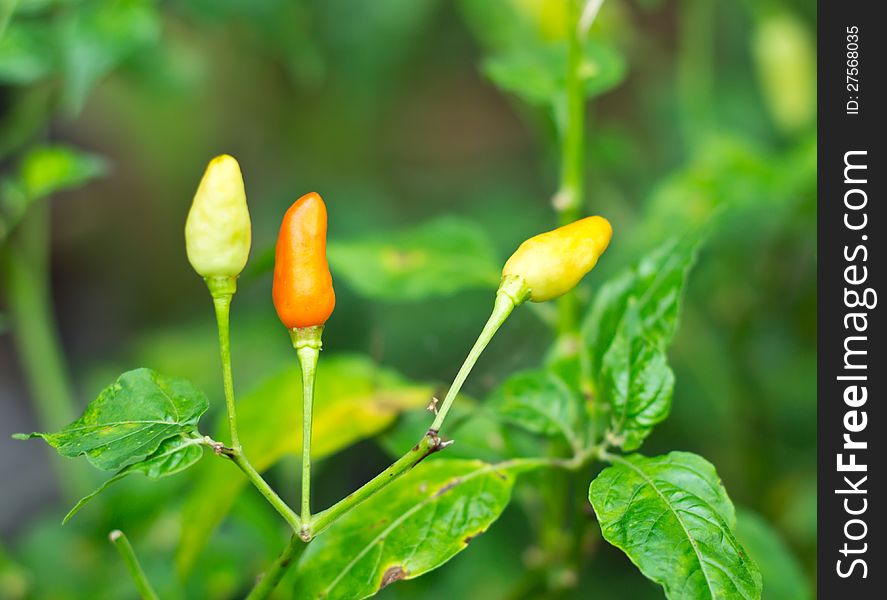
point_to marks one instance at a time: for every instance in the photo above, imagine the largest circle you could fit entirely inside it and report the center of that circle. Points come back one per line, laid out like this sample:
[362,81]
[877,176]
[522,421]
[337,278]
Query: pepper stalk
[307,342]
[512,292]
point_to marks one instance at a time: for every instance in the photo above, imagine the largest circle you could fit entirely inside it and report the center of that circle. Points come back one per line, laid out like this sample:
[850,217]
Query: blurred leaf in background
[438,258]
[44,170]
[782,575]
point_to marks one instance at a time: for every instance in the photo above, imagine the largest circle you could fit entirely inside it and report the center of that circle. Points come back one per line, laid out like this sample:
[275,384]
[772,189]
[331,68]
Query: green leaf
[537,74]
[672,517]
[602,68]
[25,53]
[625,335]
[130,419]
[97,38]
[505,24]
[355,399]
[656,284]
[44,171]
[635,381]
[49,169]
[413,526]
[535,77]
[782,575]
[175,454]
[438,258]
[541,402]
[740,180]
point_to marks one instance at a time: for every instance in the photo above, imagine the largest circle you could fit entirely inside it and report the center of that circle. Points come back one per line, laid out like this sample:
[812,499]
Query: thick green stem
[146,592]
[25,280]
[695,69]
[569,198]
[31,314]
[271,578]
[222,290]
[307,342]
[512,292]
[428,445]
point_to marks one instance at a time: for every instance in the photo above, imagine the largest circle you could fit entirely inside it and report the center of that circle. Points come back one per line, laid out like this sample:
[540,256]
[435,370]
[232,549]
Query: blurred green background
[409,119]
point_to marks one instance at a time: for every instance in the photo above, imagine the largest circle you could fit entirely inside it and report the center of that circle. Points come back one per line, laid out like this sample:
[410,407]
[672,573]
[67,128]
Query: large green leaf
[437,258]
[541,402]
[411,527]
[656,284]
[672,517]
[355,399]
[624,339]
[130,419]
[174,455]
[782,575]
[537,74]
[636,382]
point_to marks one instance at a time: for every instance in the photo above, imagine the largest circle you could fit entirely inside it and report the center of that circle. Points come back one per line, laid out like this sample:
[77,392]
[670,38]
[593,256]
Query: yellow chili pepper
[552,263]
[543,267]
[217,232]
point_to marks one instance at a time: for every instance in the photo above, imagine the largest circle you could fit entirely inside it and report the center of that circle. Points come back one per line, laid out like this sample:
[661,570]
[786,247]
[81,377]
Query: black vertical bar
[851,331]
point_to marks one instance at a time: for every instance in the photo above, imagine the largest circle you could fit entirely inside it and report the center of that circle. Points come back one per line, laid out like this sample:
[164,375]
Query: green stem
[260,484]
[308,358]
[569,198]
[271,578]
[604,455]
[569,195]
[695,69]
[511,293]
[132,565]
[222,290]
[428,445]
[25,279]
[307,342]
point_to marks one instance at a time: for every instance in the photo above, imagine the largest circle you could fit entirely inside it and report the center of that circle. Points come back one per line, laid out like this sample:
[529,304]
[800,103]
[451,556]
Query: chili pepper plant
[562,441]
[409,519]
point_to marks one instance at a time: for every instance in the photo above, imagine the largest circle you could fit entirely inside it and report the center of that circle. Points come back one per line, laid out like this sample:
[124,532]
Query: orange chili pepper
[303,288]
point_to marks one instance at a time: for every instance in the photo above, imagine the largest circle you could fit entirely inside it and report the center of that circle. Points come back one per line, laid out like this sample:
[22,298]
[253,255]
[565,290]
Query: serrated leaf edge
[725,528]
